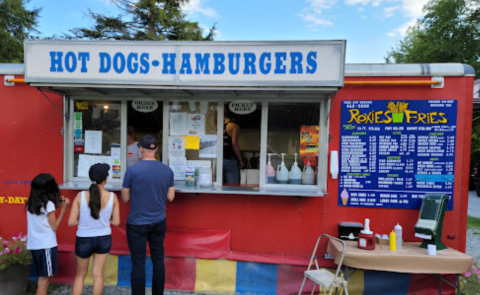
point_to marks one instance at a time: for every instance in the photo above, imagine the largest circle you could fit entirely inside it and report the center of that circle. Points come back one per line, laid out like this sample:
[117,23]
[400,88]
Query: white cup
[432,249]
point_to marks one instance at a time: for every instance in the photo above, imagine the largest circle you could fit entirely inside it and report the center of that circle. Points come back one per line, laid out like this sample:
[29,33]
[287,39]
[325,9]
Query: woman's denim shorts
[87,246]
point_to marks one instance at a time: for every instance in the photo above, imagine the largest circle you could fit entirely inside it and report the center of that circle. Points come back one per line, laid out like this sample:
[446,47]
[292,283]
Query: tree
[16,25]
[143,20]
[449,32]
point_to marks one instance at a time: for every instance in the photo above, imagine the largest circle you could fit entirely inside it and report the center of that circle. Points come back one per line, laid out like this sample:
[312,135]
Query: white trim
[263,142]
[165,131]
[48,262]
[220,118]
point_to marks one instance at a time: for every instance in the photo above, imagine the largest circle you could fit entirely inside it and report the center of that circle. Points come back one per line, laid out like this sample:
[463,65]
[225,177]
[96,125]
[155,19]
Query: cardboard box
[385,242]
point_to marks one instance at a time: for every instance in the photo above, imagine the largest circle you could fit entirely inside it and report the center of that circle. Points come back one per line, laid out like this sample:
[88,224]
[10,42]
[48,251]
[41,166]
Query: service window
[96,136]
[144,117]
[292,144]
[192,142]
[241,146]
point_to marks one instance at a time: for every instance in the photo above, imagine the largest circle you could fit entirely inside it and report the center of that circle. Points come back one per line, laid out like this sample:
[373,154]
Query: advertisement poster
[178,124]
[196,124]
[309,137]
[176,147]
[178,167]
[86,161]
[208,146]
[392,153]
[93,142]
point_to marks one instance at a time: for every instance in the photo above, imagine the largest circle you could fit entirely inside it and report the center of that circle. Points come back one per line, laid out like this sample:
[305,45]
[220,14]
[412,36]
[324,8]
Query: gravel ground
[66,290]
[473,244]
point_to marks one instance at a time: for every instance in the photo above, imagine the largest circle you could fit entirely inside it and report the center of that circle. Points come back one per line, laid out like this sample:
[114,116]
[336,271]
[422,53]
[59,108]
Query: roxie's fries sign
[396,113]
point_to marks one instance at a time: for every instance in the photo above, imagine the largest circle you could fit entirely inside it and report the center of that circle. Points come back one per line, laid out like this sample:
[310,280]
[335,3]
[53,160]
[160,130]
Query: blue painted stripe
[125,271]
[256,278]
[381,283]
[434,178]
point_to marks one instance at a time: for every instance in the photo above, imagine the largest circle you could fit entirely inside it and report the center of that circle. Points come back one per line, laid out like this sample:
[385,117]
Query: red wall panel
[32,143]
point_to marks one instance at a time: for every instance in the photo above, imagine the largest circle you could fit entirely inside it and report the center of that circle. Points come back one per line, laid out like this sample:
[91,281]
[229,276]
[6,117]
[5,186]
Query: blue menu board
[393,152]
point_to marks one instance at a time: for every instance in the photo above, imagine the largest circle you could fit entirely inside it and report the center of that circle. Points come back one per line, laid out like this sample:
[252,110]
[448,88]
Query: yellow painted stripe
[110,273]
[215,276]
[356,283]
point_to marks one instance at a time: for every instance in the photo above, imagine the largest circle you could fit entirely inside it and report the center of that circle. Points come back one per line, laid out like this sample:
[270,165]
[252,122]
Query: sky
[371,27]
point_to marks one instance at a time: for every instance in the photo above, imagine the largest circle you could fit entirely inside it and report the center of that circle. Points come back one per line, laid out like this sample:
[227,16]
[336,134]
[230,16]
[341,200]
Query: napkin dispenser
[430,221]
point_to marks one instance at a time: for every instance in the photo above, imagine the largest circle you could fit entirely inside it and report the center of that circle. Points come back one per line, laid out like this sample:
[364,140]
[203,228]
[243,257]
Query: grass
[32,287]
[473,223]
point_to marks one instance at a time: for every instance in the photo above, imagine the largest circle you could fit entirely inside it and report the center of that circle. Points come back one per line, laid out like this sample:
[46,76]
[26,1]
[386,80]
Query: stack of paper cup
[432,249]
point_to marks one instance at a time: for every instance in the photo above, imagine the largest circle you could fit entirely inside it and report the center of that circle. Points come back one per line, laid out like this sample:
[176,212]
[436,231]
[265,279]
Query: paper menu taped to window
[208,146]
[176,147]
[196,124]
[93,142]
[192,142]
[178,124]
[86,161]
[178,167]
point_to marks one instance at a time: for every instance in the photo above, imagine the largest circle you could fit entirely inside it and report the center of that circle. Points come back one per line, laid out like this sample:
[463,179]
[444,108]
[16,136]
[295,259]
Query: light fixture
[105,107]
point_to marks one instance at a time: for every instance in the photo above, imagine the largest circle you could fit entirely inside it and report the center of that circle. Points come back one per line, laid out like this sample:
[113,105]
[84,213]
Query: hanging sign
[259,63]
[242,107]
[144,105]
[393,152]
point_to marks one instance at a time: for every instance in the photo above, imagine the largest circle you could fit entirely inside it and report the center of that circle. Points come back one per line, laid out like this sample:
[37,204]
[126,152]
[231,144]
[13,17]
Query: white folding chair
[322,277]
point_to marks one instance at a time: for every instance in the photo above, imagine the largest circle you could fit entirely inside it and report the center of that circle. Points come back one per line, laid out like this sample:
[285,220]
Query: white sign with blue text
[276,63]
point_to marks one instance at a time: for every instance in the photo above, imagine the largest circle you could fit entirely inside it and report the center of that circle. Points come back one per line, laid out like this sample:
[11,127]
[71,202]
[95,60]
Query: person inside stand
[232,158]
[42,225]
[98,209]
[133,152]
[147,185]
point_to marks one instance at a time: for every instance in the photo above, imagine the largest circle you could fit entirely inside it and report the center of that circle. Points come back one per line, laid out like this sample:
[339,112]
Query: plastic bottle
[308,175]
[295,174]
[393,241]
[366,238]
[282,172]
[398,234]
[205,177]
[269,170]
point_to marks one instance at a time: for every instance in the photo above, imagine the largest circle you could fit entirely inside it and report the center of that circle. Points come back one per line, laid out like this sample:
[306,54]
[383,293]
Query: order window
[192,141]
[96,136]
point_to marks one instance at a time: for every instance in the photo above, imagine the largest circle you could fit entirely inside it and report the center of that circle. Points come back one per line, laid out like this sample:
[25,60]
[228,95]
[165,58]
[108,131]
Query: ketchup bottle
[366,238]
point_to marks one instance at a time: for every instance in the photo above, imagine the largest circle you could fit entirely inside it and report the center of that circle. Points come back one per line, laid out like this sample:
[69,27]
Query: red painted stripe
[289,280]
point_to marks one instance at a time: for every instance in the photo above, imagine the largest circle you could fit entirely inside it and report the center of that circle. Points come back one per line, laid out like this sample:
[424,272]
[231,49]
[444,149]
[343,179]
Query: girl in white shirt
[97,208]
[42,225]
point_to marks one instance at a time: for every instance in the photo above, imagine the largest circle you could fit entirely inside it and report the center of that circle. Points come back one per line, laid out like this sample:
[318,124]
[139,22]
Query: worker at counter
[232,158]
[133,151]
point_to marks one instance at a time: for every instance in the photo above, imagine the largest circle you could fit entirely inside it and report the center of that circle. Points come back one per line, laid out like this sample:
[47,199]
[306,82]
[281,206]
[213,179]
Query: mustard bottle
[393,241]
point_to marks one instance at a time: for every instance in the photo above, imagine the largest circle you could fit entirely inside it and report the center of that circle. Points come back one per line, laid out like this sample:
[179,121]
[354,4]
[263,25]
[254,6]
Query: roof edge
[12,69]
[409,70]
[351,70]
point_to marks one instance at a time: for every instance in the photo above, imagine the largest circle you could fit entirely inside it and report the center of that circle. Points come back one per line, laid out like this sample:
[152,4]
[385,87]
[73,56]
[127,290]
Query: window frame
[269,189]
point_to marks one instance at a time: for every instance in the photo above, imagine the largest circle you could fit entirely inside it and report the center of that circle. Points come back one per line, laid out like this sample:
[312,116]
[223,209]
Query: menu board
[394,152]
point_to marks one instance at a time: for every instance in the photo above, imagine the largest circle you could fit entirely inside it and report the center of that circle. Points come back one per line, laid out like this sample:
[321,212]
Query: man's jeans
[137,237]
[231,172]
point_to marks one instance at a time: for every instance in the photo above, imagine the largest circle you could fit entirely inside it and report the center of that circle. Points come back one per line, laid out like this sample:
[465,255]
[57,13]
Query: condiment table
[409,259]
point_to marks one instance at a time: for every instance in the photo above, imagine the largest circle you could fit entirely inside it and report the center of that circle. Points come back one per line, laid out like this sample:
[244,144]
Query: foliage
[16,25]
[155,20]
[473,222]
[14,252]
[471,280]
[449,32]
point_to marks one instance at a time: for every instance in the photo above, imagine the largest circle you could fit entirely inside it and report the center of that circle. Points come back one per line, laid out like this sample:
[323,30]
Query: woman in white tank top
[93,211]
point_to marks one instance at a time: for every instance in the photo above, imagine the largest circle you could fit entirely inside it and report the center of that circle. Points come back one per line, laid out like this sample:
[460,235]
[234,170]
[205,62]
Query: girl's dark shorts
[45,262]
[87,246]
